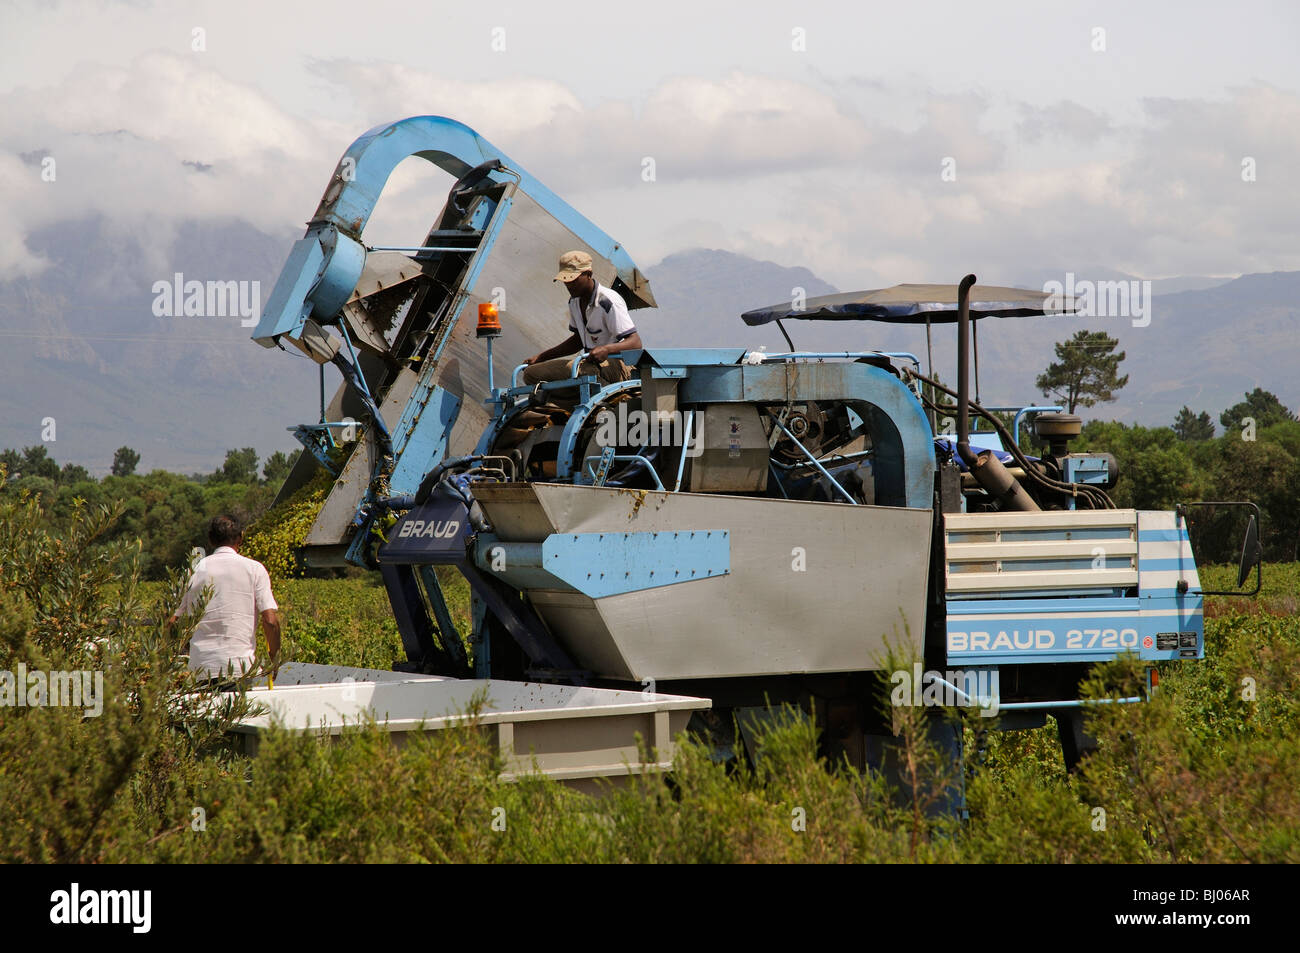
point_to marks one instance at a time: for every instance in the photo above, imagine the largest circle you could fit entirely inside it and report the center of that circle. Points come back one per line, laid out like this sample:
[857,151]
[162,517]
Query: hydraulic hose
[1096,499]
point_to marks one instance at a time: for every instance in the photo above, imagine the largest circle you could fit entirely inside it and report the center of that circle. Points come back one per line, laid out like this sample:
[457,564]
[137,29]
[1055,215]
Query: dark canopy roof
[913,304]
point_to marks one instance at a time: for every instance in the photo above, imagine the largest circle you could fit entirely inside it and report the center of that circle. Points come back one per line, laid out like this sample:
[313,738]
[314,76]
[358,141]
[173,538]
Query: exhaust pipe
[985,467]
[963,371]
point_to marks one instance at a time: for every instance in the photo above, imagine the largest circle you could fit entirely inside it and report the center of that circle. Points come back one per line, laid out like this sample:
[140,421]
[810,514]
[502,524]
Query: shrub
[1208,771]
[80,785]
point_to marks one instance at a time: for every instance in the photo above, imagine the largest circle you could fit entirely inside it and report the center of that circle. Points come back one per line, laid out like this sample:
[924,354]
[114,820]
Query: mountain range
[84,347]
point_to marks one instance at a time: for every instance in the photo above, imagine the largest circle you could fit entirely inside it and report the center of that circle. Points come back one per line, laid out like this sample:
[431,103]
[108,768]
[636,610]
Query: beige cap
[572,264]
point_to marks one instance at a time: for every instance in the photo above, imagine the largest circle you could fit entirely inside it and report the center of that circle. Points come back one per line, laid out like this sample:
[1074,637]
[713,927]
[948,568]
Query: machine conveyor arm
[325,265]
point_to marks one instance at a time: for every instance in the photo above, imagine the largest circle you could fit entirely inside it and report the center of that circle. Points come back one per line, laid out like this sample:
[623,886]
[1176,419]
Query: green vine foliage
[275,538]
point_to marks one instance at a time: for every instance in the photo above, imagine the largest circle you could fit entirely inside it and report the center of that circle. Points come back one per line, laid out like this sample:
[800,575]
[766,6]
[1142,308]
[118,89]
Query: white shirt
[226,636]
[605,322]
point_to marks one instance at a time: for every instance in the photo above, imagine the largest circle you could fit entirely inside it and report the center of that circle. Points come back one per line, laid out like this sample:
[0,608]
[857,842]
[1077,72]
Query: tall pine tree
[1191,427]
[1086,371]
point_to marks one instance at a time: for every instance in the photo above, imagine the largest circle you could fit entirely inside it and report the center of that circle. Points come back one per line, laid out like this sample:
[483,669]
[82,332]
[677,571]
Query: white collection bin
[565,732]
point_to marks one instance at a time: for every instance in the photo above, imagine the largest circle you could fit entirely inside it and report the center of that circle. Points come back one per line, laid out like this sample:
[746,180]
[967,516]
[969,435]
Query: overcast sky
[807,133]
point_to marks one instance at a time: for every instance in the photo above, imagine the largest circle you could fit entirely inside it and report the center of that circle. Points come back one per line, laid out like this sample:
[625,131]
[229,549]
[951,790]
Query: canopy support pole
[784,334]
[929,356]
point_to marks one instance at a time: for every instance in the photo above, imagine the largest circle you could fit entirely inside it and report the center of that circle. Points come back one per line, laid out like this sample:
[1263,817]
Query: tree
[124,461]
[1192,428]
[240,466]
[1156,468]
[1261,406]
[1267,474]
[73,473]
[1086,371]
[38,463]
[277,467]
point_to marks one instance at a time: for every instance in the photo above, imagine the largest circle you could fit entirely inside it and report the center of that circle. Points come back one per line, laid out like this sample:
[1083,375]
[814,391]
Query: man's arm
[271,630]
[570,346]
[630,343]
[265,605]
[187,601]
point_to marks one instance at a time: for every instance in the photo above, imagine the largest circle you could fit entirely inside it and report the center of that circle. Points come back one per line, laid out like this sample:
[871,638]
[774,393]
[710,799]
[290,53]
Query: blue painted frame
[324,265]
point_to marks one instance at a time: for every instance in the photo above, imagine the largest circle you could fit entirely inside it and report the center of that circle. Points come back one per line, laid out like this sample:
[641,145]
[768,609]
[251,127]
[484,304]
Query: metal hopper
[648,585]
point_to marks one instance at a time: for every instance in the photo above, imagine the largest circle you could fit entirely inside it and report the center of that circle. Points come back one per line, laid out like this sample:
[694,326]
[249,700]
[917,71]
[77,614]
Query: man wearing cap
[600,324]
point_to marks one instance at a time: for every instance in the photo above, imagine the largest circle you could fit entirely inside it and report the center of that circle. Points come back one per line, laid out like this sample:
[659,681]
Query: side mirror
[1252,551]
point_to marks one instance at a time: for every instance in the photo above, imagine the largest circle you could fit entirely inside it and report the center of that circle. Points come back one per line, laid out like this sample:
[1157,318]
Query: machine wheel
[1076,744]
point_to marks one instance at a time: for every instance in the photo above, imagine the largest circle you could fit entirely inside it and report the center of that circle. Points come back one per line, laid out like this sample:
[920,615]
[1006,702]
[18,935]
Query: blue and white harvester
[750,527]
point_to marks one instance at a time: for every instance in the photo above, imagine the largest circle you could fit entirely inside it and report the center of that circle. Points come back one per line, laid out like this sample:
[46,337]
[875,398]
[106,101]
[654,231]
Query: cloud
[812,170]
[126,143]
[497,108]
[1163,195]
[1200,158]
[741,124]
[1061,121]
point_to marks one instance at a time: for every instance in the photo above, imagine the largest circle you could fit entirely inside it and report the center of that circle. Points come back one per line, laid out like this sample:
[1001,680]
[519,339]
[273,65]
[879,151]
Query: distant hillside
[1204,347]
[1160,286]
[701,294]
[82,345]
